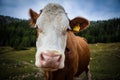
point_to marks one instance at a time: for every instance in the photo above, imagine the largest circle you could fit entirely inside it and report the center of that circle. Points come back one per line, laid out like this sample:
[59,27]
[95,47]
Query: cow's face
[52,25]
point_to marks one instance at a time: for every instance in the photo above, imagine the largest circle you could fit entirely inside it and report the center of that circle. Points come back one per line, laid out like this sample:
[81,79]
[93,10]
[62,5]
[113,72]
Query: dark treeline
[18,34]
[105,31]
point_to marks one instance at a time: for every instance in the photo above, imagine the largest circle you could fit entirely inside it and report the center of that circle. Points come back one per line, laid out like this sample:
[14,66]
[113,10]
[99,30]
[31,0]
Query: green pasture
[19,64]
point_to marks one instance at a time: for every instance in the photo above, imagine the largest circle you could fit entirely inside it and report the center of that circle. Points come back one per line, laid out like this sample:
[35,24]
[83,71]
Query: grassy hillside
[105,61]
[19,65]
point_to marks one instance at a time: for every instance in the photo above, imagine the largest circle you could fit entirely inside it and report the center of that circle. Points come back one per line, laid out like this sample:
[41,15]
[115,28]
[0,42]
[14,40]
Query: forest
[18,34]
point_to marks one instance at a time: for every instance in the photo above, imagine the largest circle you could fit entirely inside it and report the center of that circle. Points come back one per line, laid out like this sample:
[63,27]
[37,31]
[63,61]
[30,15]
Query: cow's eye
[67,49]
[40,31]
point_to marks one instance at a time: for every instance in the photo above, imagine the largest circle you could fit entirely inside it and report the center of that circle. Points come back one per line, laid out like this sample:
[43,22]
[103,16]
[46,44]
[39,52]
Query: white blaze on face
[53,24]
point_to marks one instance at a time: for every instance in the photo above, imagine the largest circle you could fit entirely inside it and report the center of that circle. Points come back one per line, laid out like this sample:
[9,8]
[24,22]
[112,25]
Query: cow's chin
[50,69]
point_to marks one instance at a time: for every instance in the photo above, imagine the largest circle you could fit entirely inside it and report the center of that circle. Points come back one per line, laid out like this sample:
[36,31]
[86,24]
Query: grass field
[105,61]
[19,64]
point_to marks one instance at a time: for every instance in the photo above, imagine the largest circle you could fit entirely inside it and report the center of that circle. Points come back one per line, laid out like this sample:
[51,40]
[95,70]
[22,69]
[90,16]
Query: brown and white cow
[60,53]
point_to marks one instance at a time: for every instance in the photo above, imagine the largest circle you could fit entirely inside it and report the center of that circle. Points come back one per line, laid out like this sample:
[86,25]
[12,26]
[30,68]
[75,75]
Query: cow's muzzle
[50,61]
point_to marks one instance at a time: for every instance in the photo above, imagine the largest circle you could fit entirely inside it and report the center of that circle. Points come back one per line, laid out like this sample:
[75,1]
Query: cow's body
[76,60]
[60,53]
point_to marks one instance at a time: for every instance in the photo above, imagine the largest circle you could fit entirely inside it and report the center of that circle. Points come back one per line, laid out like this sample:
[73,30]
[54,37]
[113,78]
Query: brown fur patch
[77,59]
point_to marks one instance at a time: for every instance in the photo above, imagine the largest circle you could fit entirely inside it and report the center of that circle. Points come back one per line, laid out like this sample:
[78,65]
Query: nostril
[59,58]
[41,57]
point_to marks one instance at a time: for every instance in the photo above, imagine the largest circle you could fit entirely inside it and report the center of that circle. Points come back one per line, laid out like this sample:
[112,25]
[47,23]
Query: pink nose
[50,60]
[50,57]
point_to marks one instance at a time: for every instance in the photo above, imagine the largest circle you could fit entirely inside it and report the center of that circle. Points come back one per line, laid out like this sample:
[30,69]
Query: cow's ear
[78,24]
[33,17]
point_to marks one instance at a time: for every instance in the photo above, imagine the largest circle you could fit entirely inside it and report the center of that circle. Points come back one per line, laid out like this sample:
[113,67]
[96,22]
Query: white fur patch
[53,16]
[53,22]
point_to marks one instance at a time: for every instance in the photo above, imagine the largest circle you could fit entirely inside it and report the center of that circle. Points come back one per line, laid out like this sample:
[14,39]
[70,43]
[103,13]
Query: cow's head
[52,25]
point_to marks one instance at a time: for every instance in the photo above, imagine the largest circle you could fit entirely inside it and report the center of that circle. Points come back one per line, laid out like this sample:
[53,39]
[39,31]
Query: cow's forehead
[52,7]
[53,15]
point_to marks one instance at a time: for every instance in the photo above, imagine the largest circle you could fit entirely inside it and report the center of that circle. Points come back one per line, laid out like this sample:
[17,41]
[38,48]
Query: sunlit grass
[105,61]
[19,64]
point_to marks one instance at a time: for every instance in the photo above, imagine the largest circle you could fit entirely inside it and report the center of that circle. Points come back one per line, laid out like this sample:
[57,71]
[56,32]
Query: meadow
[19,64]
